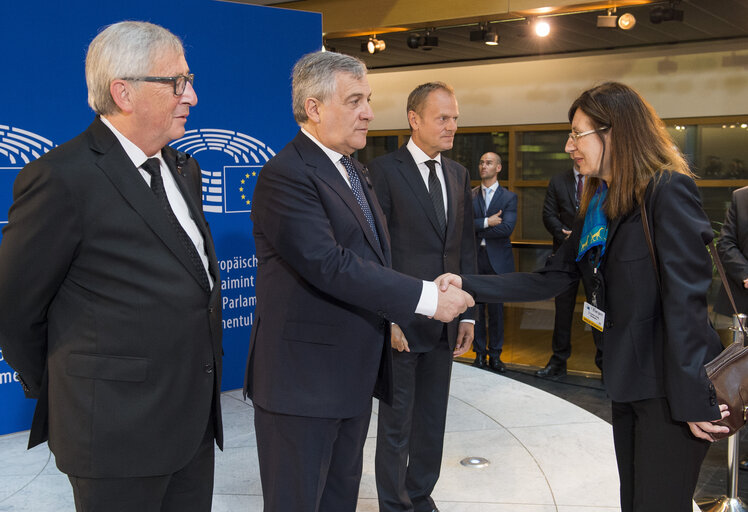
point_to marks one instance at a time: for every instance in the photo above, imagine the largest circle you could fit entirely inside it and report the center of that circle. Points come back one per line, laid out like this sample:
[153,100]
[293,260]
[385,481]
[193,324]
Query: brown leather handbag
[729,370]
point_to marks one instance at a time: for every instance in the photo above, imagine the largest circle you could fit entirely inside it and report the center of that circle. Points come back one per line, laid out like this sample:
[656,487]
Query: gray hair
[125,49]
[315,75]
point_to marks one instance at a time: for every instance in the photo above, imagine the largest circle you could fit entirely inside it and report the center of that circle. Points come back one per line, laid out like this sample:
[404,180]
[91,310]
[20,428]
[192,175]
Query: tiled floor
[546,454]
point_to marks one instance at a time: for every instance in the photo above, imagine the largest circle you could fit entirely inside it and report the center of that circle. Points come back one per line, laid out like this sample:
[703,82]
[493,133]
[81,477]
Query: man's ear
[121,93]
[312,106]
[412,119]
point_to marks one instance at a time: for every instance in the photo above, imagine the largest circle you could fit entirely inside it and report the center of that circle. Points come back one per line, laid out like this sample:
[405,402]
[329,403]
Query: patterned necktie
[358,192]
[435,191]
[580,187]
[153,167]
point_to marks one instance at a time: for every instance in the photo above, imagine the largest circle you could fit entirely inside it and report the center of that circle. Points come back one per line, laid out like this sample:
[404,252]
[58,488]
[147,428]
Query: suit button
[210,310]
[208,368]
[609,324]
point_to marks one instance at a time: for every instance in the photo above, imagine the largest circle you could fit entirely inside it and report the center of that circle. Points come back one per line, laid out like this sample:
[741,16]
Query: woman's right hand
[704,429]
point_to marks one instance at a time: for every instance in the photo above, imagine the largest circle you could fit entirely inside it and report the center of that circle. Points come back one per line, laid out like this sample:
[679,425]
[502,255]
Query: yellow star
[253,174]
[243,196]
[248,202]
[246,175]
[241,189]
[243,180]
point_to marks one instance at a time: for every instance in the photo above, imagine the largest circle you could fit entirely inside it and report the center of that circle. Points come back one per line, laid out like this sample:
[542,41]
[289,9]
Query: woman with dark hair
[655,336]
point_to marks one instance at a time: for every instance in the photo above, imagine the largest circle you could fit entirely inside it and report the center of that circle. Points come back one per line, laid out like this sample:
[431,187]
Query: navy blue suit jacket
[419,247]
[498,244]
[325,297]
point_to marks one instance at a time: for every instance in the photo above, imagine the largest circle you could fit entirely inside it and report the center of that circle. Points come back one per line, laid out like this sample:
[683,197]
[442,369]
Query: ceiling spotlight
[626,21]
[542,28]
[670,13]
[607,21]
[425,42]
[373,45]
[485,35]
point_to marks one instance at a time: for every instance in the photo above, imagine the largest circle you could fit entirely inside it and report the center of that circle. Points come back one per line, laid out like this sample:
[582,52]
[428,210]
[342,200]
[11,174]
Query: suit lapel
[182,178]
[450,183]
[314,157]
[126,178]
[412,176]
[571,190]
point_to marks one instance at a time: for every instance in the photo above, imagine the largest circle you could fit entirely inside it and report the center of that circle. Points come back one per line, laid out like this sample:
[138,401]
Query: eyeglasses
[179,81]
[576,136]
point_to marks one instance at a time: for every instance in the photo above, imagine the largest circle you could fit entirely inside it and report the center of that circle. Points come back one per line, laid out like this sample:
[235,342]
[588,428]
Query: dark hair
[639,145]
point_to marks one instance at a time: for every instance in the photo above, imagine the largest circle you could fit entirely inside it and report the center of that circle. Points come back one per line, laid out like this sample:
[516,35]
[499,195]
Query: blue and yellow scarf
[595,230]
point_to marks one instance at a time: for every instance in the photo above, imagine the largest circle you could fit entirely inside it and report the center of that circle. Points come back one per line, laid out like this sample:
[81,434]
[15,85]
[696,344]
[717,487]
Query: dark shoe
[743,464]
[551,372]
[480,361]
[495,364]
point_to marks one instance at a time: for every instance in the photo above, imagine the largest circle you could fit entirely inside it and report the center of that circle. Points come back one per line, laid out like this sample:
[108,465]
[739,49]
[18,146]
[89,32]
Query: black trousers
[658,458]
[188,490]
[561,341]
[489,335]
[410,433]
[310,464]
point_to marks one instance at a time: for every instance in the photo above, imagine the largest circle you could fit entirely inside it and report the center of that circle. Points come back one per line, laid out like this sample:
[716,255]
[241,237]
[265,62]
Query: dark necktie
[358,192]
[435,191]
[580,187]
[153,167]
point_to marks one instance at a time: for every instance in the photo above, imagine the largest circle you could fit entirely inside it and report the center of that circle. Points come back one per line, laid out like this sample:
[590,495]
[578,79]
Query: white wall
[699,79]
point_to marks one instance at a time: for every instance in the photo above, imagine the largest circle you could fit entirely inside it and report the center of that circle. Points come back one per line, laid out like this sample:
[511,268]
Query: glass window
[540,155]
[469,147]
[714,151]
[376,146]
[530,214]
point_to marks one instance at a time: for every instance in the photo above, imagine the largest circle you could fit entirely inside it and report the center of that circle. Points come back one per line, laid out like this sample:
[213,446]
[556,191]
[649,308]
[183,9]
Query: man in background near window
[559,210]
[426,201]
[732,248]
[495,212]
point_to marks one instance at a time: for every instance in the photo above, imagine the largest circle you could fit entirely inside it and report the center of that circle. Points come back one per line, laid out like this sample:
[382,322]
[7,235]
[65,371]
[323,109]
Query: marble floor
[546,455]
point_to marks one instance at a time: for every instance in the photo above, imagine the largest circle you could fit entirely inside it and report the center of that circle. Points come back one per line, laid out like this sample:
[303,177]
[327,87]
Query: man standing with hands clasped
[495,211]
[325,297]
[427,203]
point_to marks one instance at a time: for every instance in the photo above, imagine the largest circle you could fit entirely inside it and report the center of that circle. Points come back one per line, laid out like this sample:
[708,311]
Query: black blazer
[324,293]
[419,248]
[498,242]
[732,247]
[104,316]
[656,340]
[560,206]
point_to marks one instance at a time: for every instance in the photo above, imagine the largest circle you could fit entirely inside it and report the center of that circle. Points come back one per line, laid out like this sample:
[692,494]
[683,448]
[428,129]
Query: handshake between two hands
[452,300]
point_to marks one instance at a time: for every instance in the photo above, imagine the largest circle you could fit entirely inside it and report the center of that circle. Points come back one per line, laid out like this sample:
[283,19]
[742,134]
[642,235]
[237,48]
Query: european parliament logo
[17,148]
[230,163]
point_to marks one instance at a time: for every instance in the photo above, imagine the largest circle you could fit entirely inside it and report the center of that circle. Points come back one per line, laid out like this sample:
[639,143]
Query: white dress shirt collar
[419,156]
[135,154]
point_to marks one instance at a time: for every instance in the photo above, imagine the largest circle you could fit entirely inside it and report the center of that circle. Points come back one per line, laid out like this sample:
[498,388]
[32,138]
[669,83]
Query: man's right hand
[452,302]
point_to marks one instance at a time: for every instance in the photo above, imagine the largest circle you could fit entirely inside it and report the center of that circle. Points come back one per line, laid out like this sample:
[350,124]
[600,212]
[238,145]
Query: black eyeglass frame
[175,80]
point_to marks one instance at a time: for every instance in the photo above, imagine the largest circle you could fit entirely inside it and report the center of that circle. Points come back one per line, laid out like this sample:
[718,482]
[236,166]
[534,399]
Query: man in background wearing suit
[325,297]
[732,247]
[426,201]
[111,309]
[559,210]
[495,212]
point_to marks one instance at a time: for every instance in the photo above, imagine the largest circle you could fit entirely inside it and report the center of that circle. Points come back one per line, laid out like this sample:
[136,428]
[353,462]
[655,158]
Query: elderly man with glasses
[110,310]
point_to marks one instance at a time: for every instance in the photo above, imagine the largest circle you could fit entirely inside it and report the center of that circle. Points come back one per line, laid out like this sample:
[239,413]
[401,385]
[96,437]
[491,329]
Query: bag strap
[713,253]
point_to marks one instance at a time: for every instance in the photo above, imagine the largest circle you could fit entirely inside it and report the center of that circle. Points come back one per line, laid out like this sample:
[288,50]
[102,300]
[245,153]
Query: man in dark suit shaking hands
[426,200]
[109,293]
[325,297]
[495,212]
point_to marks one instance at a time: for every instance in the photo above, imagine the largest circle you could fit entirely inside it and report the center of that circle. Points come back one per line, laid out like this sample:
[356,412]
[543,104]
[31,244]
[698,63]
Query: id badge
[593,316]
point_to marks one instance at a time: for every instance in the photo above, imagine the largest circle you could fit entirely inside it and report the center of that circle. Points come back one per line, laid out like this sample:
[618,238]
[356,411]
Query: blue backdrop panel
[242,58]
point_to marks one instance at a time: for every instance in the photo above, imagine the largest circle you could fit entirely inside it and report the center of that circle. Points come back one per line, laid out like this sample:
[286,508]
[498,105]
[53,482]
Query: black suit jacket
[498,242]
[560,206]
[104,317]
[732,247]
[419,248]
[656,340]
[324,293]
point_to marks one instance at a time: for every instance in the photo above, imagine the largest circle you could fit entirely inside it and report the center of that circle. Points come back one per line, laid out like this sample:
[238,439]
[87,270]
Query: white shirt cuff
[485,223]
[429,299]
